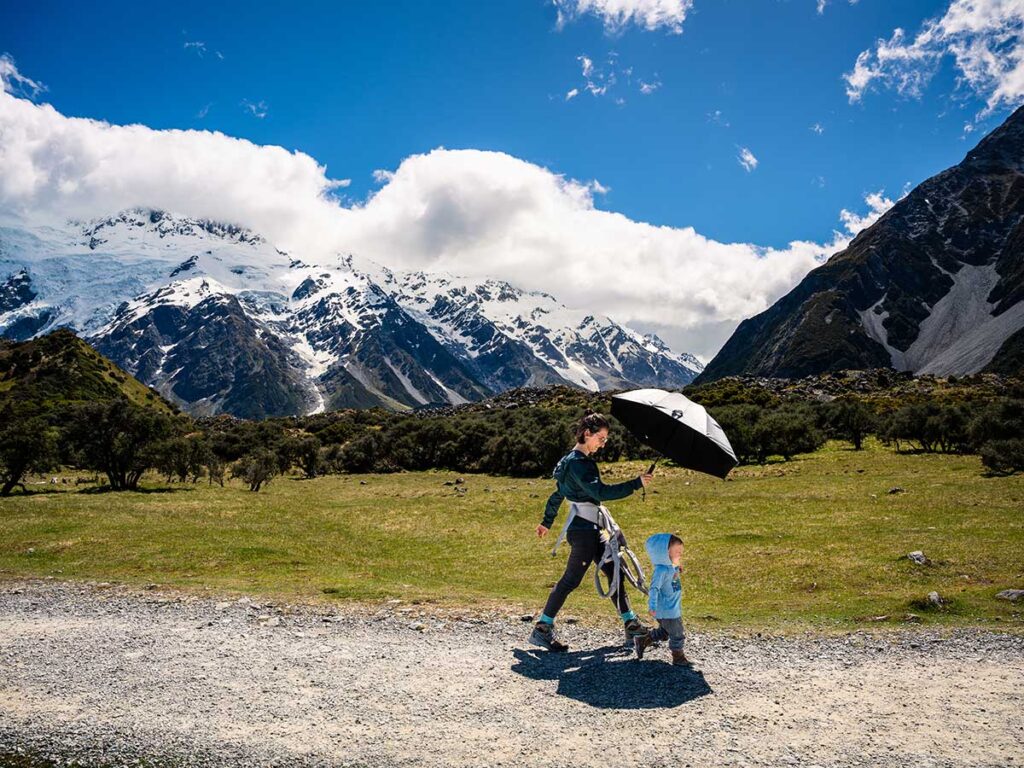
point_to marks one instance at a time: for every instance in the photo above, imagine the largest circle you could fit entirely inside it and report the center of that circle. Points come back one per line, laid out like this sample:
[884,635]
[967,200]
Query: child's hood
[657,548]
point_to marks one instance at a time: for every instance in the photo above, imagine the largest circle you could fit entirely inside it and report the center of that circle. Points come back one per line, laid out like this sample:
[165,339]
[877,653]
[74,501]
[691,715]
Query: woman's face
[595,440]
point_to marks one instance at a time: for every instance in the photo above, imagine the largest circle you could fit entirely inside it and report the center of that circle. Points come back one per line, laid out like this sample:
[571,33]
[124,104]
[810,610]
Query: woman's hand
[646,478]
[541,531]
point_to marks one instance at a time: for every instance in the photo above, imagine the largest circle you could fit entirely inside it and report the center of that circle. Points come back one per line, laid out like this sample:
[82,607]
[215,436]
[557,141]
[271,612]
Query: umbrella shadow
[613,678]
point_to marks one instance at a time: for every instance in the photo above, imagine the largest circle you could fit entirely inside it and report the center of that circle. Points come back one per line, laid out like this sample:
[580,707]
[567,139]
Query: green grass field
[817,541]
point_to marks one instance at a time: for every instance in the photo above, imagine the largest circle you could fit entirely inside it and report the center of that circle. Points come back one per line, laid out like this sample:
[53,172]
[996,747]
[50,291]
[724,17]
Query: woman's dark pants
[586,547]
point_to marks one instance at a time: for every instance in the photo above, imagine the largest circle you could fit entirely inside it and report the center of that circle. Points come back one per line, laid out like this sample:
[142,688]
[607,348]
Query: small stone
[918,557]
[363,482]
[896,489]
[912,618]
[1013,595]
[572,620]
[935,600]
[526,617]
[419,626]
[223,606]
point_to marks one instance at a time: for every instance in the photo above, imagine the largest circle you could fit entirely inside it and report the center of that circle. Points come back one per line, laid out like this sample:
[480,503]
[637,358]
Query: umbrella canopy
[677,427]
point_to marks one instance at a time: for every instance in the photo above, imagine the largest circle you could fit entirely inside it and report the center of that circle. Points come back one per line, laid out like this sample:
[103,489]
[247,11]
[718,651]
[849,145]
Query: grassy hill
[59,370]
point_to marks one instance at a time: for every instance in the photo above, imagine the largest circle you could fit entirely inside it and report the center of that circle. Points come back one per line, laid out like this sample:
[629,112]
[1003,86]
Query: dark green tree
[27,445]
[850,419]
[256,469]
[118,439]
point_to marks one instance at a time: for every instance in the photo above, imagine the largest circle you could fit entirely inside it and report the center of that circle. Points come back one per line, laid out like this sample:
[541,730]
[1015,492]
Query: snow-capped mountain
[935,286]
[219,320]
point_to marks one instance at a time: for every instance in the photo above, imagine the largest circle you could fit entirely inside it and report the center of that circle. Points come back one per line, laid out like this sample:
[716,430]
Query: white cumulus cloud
[471,212]
[984,38]
[617,15]
[746,159]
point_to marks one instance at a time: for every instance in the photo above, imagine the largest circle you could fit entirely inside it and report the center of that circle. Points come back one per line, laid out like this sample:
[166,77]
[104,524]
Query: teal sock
[546,619]
[628,616]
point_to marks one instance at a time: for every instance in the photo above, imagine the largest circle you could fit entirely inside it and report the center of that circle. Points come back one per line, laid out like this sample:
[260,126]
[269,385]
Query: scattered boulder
[897,489]
[1013,595]
[917,556]
[935,600]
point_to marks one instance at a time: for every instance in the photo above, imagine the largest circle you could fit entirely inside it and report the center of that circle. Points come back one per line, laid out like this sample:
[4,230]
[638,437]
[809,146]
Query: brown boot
[641,643]
[679,659]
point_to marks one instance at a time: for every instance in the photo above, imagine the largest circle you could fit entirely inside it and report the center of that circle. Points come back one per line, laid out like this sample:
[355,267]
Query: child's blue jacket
[665,591]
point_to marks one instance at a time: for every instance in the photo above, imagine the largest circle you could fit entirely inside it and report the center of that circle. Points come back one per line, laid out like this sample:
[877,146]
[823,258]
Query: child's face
[675,552]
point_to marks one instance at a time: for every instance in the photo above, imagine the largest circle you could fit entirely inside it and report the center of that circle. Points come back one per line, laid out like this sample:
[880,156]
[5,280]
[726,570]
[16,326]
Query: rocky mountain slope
[935,286]
[219,320]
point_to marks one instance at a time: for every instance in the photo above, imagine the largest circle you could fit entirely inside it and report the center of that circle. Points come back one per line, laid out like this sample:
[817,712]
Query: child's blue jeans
[671,630]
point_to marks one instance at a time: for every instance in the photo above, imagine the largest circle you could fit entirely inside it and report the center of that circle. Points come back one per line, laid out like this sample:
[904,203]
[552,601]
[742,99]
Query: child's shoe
[679,659]
[641,644]
[544,635]
[634,629]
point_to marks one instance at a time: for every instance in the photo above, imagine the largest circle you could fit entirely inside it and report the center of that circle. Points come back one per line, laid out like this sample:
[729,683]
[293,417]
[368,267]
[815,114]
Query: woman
[579,481]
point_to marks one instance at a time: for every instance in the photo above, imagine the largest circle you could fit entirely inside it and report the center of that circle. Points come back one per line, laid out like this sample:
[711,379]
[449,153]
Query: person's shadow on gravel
[612,678]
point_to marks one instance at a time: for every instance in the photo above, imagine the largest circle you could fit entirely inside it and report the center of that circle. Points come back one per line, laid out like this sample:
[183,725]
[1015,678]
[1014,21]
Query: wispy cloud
[601,79]
[984,38]
[823,3]
[717,118]
[256,109]
[12,81]
[817,128]
[617,15]
[196,46]
[204,111]
[746,159]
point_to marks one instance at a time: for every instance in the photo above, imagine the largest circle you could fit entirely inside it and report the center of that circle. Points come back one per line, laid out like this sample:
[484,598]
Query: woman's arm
[589,481]
[551,509]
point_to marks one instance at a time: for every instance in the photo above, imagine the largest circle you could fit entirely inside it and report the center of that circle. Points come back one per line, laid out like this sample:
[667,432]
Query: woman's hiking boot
[634,629]
[544,635]
[641,643]
[679,659]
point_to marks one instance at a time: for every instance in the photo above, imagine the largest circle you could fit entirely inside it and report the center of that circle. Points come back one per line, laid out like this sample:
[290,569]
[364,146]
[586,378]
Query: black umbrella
[677,427]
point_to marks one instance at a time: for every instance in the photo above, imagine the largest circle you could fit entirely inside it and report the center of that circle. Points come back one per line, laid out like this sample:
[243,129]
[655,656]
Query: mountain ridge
[934,286]
[218,319]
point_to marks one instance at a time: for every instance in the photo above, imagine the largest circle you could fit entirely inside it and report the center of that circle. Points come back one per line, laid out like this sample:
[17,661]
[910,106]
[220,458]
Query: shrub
[1003,456]
[256,468]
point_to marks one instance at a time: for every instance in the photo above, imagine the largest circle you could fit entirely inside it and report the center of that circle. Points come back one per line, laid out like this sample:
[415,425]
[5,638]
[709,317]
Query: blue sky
[360,86]
[740,131]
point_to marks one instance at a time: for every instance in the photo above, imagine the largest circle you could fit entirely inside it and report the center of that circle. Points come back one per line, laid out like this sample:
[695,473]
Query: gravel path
[104,675]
